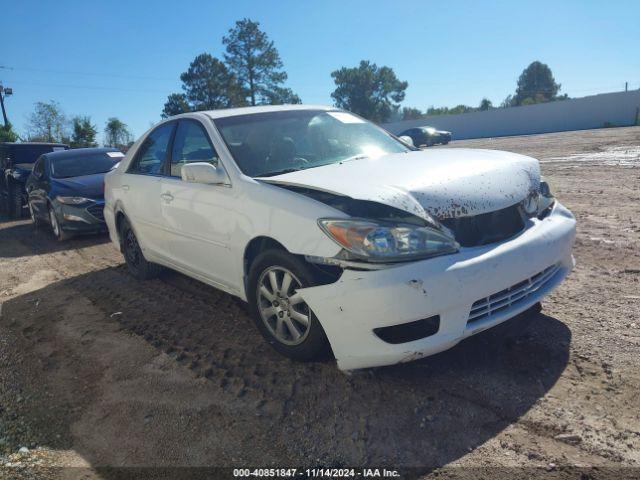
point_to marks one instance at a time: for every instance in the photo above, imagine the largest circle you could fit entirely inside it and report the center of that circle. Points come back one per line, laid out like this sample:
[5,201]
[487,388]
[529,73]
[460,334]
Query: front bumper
[82,218]
[449,286]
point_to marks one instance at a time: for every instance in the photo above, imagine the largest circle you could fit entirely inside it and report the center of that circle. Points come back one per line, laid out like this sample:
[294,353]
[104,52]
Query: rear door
[200,218]
[141,190]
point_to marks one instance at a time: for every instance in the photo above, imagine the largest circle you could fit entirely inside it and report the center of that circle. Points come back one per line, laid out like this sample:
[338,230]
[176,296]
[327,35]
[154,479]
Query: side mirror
[203,172]
[407,139]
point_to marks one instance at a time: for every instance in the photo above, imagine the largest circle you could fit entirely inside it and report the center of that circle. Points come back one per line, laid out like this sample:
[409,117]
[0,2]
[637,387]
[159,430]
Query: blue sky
[117,58]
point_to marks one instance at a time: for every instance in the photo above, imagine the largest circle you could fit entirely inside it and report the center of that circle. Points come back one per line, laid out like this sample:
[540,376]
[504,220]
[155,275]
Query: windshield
[78,166]
[270,143]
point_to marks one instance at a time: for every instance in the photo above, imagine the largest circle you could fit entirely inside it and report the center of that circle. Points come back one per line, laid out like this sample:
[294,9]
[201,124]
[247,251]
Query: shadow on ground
[260,409]
[38,241]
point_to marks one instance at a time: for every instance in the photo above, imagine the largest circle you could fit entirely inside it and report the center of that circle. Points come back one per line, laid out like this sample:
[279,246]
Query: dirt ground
[98,370]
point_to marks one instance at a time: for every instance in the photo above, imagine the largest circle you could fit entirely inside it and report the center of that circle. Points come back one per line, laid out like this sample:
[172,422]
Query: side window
[191,144]
[152,153]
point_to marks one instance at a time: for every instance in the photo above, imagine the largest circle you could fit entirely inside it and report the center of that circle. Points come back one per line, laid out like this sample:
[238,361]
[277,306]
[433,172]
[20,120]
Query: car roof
[79,152]
[232,112]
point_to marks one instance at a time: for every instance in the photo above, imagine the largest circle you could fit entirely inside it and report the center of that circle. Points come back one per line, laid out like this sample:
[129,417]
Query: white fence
[620,109]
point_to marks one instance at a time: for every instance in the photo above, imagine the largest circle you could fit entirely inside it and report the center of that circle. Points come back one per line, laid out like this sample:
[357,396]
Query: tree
[116,134]
[84,133]
[281,96]
[47,123]
[410,113]
[208,85]
[256,63]
[535,85]
[368,90]
[507,102]
[176,103]
[485,104]
[7,134]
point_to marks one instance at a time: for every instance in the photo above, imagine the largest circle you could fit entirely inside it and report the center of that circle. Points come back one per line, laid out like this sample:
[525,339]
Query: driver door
[199,218]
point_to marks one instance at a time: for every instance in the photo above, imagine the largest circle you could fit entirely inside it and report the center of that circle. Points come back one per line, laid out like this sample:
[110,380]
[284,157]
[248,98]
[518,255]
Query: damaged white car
[338,234]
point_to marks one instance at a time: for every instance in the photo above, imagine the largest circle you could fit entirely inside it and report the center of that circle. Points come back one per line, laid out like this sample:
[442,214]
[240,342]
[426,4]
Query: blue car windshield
[78,166]
[270,143]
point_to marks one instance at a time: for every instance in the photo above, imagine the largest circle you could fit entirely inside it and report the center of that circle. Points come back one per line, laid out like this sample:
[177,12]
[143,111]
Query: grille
[97,210]
[514,295]
[487,227]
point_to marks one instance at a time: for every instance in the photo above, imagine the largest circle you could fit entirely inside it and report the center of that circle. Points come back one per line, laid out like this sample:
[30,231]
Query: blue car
[66,190]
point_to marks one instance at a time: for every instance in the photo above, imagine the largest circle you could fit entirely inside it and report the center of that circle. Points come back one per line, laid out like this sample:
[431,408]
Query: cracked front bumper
[449,286]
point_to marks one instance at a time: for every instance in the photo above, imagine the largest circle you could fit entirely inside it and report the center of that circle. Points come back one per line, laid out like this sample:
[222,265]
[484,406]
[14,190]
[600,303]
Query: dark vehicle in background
[427,136]
[16,162]
[66,190]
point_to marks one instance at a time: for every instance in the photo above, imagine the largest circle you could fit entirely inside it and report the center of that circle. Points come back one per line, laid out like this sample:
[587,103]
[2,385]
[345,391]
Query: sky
[122,58]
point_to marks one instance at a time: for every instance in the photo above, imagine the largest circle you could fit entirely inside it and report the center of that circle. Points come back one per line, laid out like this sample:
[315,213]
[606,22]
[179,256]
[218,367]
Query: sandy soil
[97,370]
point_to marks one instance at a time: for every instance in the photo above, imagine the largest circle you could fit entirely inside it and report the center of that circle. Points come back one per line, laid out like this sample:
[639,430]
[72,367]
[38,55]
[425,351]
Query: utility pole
[5,91]
[626,86]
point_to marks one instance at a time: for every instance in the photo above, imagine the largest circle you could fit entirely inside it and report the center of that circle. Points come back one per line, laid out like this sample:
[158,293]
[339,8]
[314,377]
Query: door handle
[167,197]
[125,188]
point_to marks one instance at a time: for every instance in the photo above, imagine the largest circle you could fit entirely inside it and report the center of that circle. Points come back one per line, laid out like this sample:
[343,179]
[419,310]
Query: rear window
[78,166]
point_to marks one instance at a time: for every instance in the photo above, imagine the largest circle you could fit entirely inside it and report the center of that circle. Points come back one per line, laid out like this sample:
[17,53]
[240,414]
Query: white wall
[577,114]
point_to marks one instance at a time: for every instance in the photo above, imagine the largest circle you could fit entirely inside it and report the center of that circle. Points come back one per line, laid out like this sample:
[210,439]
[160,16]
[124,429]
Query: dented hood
[445,183]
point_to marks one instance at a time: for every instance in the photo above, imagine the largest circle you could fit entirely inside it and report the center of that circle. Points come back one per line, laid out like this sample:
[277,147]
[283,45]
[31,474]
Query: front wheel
[281,315]
[60,234]
[138,266]
[37,223]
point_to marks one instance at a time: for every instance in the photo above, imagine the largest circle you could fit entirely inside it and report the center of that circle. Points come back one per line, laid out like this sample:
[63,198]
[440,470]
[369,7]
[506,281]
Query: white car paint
[205,229]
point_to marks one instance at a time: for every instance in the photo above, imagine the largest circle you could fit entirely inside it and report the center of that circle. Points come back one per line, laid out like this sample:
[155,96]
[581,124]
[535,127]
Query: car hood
[444,183]
[91,186]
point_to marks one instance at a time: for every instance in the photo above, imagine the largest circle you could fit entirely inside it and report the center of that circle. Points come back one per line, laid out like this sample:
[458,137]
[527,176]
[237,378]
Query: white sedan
[338,234]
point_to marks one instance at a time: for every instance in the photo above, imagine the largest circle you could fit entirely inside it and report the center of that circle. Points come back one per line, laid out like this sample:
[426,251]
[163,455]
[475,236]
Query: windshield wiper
[279,172]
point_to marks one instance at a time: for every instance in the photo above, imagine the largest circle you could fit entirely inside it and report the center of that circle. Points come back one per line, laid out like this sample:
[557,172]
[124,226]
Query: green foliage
[410,113]
[116,134]
[485,104]
[282,96]
[256,64]
[176,103]
[208,85]
[7,134]
[368,90]
[84,133]
[507,102]
[47,123]
[536,85]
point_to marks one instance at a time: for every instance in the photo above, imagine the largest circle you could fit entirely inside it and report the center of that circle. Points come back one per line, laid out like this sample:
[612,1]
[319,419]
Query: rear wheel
[138,266]
[281,315]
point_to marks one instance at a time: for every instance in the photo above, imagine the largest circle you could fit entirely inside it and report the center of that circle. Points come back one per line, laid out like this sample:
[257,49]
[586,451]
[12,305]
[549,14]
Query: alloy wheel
[282,309]
[54,222]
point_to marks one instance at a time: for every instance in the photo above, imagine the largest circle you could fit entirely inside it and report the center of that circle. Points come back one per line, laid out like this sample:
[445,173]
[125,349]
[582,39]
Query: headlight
[73,200]
[387,243]
[545,199]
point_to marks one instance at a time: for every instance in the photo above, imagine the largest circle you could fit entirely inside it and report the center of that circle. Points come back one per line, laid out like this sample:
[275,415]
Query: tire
[56,229]
[15,202]
[138,266]
[37,222]
[276,316]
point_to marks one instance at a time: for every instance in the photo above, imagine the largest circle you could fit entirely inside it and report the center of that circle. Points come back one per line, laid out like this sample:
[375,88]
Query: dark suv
[16,163]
